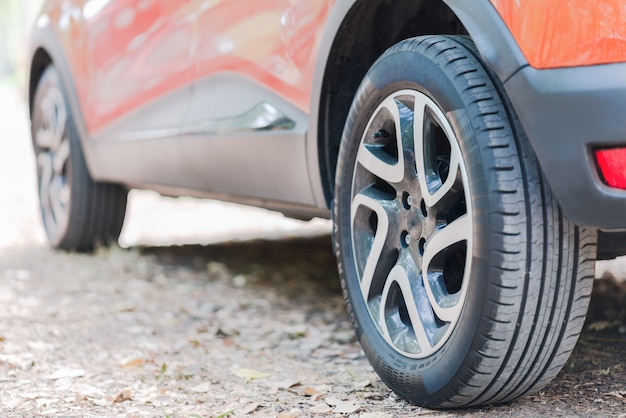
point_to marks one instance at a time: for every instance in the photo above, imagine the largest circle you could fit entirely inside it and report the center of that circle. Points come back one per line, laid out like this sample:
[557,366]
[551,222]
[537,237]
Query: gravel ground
[214,310]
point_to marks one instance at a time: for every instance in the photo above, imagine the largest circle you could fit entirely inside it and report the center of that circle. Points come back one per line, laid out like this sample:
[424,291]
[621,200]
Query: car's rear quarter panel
[567,34]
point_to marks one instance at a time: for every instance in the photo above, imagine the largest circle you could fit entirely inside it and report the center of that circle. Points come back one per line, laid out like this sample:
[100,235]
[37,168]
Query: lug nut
[405,239]
[407,201]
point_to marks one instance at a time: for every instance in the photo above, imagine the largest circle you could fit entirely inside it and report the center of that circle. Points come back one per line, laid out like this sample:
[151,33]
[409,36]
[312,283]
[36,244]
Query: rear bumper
[567,113]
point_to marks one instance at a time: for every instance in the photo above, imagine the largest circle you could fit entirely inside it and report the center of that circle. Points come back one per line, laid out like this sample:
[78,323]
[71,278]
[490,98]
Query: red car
[471,154]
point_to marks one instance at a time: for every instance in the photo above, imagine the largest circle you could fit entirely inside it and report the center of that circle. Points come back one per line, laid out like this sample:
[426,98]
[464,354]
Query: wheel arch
[45,50]
[359,31]
[40,60]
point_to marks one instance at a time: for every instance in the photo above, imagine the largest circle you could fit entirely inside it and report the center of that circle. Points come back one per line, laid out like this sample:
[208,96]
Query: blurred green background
[16,20]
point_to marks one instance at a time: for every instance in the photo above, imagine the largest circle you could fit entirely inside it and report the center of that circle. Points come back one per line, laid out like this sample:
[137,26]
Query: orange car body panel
[570,33]
[135,51]
[271,41]
[126,53]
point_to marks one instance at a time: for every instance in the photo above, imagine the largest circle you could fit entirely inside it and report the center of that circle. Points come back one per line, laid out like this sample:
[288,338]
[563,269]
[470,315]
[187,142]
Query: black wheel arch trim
[492,37]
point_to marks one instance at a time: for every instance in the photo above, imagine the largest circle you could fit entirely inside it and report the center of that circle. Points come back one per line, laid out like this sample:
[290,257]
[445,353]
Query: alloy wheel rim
[411,223]
[53,153]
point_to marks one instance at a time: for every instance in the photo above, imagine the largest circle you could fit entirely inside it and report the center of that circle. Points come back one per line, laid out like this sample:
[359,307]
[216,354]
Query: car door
[247,120]
[139,59]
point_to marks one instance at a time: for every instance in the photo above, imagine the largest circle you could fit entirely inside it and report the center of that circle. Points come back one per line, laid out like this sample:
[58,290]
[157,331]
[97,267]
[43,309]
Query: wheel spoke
[380,236]
[372,158]
[44,138]
[61,155]
[421,105]
[55,118]
[428,121]
[445,305]
[44,160]
[399,276]
[56,197]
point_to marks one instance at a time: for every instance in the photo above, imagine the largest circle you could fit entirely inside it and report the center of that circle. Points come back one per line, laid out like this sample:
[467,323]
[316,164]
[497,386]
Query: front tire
[77,212]
[465,282]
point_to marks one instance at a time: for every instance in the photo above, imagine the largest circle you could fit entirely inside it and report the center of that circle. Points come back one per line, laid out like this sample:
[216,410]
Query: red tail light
[612,165]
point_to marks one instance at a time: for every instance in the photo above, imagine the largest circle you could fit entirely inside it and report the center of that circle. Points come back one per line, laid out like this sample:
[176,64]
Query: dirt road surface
[214,310]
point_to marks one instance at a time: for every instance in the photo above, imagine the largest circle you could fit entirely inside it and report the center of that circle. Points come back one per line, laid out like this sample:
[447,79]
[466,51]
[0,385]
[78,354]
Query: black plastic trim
[566,113]
[611,244]
[492,37]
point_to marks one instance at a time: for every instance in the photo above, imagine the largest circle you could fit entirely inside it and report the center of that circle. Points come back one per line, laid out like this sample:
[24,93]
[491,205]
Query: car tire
[465,283]
[78,213]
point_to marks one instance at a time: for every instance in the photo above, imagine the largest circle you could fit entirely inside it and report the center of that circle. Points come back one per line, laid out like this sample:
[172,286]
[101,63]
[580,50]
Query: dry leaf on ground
[251,374]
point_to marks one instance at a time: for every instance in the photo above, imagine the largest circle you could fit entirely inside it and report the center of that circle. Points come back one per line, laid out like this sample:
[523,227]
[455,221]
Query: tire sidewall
[432,377]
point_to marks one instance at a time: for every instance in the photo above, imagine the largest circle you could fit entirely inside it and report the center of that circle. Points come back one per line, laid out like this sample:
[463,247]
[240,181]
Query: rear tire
[465,283]
[77,212]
